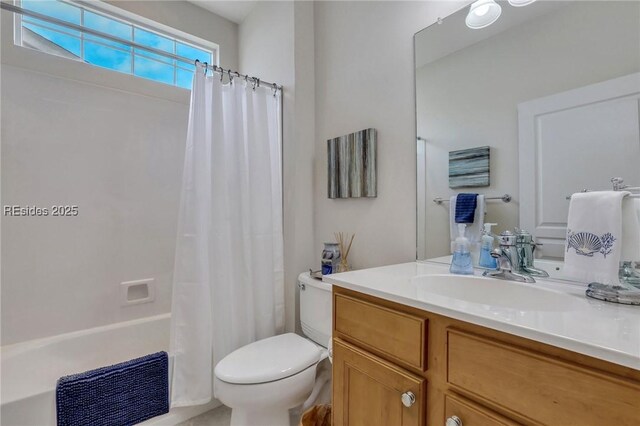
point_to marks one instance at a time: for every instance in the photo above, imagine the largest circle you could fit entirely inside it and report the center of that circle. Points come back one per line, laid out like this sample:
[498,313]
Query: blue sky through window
[106,53]
[55,9]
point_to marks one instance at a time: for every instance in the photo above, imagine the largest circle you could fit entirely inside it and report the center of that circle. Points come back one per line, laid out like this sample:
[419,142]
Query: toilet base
[265,404]
[240,417]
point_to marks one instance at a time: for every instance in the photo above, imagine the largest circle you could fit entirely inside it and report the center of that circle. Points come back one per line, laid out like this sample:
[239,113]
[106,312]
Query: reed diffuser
[341,239]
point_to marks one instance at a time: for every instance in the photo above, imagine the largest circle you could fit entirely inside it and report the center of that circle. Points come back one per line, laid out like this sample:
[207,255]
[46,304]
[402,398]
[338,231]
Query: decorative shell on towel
[587,243]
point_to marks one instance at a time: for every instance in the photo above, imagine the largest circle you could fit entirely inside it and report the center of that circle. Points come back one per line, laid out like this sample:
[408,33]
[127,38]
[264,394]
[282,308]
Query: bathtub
[30,369]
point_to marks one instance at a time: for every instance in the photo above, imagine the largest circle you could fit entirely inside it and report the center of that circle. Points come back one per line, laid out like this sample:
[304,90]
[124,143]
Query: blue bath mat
[119,395]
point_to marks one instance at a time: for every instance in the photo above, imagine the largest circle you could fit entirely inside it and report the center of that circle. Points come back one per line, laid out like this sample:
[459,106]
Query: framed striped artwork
[352,165]
[469,167]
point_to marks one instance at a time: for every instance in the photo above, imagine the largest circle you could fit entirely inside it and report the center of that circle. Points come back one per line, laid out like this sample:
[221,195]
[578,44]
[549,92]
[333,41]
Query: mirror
[552,90]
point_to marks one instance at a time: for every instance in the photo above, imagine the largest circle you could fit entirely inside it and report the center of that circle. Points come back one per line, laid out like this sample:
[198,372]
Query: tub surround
[594,328]
[30,369]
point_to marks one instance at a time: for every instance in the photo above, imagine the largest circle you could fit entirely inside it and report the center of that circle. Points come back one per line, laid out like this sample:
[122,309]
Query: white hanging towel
[594,236]
[630,229]
[474,230]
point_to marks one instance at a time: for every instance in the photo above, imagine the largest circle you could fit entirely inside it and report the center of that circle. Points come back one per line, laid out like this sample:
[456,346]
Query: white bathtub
[29,370]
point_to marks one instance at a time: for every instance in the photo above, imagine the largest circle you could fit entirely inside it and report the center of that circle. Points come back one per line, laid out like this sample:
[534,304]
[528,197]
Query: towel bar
[505,198]
[618,185]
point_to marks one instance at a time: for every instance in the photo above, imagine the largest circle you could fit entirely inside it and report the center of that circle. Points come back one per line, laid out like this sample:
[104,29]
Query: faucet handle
[504,263]
[507,238]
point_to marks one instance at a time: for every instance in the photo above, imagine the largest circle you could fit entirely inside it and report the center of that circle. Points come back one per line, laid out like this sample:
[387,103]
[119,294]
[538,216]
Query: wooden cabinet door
[368,391]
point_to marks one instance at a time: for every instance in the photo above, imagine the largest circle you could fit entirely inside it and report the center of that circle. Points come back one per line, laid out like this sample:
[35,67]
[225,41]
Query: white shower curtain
[228,285]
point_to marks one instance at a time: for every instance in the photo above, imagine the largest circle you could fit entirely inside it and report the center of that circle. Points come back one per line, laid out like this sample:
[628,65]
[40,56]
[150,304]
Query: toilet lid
[268,359]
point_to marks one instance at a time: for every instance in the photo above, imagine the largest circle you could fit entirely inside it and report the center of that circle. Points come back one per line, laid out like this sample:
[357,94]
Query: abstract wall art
[469,167]
[352,165]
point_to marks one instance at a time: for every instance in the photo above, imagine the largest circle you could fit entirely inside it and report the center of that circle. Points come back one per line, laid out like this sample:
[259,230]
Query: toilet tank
[315,308]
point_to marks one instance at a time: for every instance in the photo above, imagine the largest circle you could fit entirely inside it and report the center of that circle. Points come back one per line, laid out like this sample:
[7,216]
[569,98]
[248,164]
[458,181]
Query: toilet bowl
[263,380]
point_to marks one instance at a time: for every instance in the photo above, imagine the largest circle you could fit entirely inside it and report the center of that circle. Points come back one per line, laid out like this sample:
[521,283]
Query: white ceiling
[234,11]
[439,40]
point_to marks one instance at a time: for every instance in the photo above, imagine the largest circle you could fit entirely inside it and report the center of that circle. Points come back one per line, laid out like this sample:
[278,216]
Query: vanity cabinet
[373,391]
[397,365]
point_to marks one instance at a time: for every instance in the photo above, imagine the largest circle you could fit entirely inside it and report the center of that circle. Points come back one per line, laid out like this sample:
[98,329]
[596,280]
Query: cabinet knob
[453,421]
[408,399]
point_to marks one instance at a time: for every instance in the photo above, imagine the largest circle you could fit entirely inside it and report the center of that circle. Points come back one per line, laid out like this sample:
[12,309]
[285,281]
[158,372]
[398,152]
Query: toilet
[263,380]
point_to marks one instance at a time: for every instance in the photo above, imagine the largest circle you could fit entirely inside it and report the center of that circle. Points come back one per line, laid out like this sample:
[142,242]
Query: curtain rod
[21,11]
[254,80]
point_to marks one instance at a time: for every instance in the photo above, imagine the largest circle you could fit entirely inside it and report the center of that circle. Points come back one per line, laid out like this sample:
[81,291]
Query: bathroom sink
[493,292]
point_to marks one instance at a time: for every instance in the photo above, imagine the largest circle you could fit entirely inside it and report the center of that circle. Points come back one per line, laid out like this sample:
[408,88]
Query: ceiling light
[520,3]
[484,13]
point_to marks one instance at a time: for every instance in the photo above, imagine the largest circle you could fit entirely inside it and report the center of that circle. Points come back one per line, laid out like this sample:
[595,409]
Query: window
[97,37]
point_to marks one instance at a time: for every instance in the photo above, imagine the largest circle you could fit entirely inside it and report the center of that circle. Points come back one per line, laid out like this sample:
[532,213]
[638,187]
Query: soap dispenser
[486,260]
[461,262]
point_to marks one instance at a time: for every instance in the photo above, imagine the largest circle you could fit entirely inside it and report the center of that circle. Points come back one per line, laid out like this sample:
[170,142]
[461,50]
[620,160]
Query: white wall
[110,143]
[299,202]
[469,98]
[365,78]
[276,44]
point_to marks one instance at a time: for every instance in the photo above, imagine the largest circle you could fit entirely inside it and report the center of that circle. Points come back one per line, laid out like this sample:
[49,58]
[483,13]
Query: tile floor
[221,416]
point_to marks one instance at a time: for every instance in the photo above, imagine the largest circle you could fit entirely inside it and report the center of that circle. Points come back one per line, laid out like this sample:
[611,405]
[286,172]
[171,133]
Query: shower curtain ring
[230,77]
[221,70]
[206,68]
[255,83]
[275,89]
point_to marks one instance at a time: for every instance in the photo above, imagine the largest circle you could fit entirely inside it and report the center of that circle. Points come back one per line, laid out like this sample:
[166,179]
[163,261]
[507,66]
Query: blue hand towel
[465,207]
[118,395]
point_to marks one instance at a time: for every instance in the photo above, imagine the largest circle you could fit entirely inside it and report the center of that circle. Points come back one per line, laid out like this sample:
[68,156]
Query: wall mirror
[552,88]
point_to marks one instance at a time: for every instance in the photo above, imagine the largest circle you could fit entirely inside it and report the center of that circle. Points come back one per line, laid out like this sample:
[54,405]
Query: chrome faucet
[505,268]
[525,246]
[515,258]
[508,244]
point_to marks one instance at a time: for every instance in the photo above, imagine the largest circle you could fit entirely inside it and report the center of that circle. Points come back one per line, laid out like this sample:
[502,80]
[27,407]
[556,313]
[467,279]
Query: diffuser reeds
[341,239]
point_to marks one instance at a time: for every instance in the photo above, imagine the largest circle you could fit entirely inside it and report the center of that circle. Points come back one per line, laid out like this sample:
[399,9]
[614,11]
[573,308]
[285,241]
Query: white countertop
[592,327]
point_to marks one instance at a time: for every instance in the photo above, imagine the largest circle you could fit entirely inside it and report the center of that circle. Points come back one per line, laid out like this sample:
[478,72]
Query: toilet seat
[268,360]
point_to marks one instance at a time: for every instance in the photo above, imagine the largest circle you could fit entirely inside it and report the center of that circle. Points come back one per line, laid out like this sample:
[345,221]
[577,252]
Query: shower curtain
[228,285]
